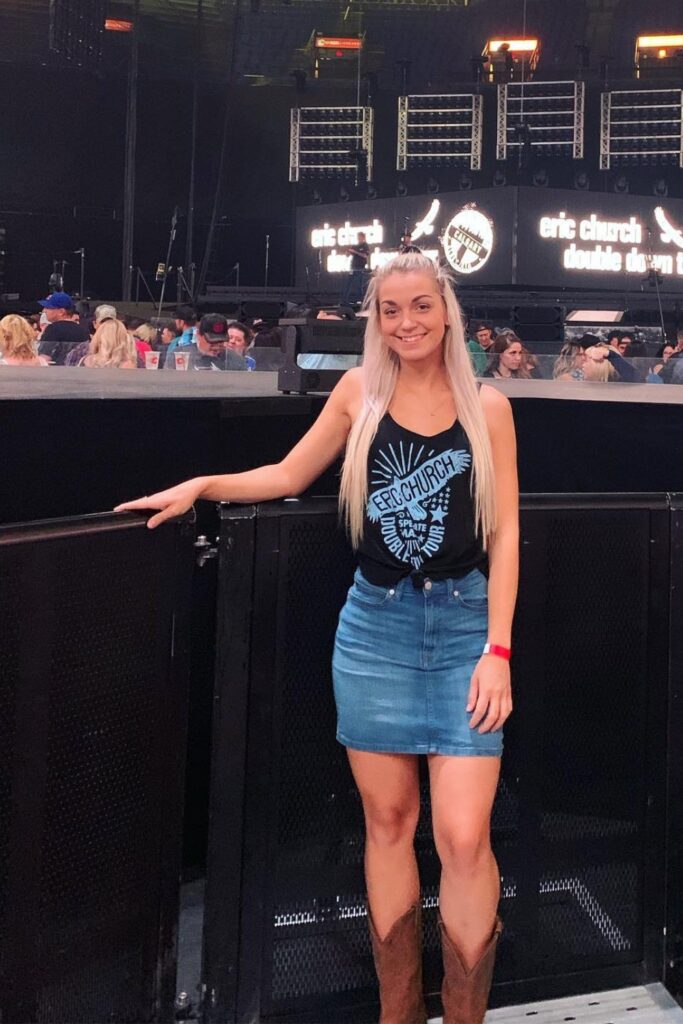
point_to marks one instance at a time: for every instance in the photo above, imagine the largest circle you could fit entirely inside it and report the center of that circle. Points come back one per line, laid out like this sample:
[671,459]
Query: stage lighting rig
[641,126]
[439,130]
[659,55]
[511,59]
[541,117]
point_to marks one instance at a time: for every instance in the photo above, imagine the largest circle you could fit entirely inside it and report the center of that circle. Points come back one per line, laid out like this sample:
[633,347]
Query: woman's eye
[424,308]
[389,312]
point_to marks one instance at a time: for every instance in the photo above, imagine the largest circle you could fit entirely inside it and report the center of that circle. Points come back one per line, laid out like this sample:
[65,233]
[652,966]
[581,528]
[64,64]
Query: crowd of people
[619,357]
[66,334]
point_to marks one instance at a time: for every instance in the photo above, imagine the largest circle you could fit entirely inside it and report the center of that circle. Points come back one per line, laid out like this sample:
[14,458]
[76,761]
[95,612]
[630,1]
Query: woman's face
[511,358]
[237,340]
[668,349]
[167,335]
[580,359]
[412,316]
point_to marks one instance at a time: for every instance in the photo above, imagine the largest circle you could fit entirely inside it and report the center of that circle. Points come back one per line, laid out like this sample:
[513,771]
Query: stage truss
[331,142]
[545,116]
[440,129]
[641,126]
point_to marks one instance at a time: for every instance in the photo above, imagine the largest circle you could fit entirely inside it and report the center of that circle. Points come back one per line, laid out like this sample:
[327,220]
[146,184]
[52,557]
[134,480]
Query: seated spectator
[145,337]
[664,352]
[619,340]
[186,323]
[480,344]
[569,363]
[621,368]
[102,314]
[240,340]
[672,371]
[531,363]
[210,351]
[35,325]
[18,345]
[637,356]
[112,347]
[598,366]
[61,333]
[167,332]
[267,337]
[507,357]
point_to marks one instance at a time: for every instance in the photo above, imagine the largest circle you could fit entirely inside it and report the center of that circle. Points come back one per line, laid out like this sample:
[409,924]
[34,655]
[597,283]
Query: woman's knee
[462,849]
[392,823]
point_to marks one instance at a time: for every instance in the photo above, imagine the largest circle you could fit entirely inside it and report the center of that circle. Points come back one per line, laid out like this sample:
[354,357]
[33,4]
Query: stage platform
[640,1004]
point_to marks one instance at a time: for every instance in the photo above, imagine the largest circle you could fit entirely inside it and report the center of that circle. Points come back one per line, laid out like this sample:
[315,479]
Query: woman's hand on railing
[175,501]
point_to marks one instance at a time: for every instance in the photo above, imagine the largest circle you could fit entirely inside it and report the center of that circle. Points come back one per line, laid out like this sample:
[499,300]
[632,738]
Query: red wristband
[501,652]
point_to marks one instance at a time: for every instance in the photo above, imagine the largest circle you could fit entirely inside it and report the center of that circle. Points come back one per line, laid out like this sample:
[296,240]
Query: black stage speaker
[538,323]
[93,706]
[578,823]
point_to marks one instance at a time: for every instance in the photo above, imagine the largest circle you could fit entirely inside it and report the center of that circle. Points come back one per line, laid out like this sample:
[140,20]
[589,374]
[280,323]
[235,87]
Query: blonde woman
[597,366]
[570,362]
[421,659]
[111,346]
[18,342]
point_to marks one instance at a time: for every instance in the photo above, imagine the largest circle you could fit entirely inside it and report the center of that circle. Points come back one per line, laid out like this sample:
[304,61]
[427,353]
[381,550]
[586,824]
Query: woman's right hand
[171,503]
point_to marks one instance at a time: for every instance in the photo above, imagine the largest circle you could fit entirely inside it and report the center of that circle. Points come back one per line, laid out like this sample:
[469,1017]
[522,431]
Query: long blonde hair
[380,372]
[111,345]
[17,339]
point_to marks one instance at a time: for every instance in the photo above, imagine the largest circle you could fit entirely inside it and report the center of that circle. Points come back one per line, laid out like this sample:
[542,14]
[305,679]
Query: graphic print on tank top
[410,497]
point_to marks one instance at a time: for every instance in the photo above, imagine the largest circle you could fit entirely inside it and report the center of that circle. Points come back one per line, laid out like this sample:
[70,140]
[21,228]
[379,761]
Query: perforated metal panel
[576,807]
[93,690]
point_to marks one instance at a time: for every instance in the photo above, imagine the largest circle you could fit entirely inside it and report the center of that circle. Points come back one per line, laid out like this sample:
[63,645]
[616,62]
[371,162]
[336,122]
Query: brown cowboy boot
[398,961]
[465,993]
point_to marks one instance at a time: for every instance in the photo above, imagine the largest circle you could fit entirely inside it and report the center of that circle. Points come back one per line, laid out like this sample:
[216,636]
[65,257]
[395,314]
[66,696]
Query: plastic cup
[182,360]
[151,360]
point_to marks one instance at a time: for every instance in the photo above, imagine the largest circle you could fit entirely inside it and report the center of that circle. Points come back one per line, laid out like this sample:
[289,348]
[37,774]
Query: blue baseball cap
[58,300]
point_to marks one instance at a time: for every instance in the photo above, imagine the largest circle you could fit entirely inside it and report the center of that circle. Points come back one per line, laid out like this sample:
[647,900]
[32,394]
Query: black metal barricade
[673,975]
[578,823]
[93,705]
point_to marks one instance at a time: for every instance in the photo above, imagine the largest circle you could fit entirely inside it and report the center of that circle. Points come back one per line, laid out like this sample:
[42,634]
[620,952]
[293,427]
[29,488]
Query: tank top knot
[419,518]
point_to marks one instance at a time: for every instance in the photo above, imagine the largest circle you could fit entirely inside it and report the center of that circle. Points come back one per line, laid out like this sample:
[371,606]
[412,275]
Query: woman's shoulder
[496,406]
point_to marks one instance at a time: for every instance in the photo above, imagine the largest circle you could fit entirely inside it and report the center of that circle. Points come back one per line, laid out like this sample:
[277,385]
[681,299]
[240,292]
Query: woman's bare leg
[462,794]
[389,789]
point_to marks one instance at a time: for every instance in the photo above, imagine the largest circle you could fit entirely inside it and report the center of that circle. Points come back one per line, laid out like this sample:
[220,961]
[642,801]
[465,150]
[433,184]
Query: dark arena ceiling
[256,41]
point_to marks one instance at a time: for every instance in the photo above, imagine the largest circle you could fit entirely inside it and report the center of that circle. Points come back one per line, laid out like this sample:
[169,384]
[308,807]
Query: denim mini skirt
[402,666]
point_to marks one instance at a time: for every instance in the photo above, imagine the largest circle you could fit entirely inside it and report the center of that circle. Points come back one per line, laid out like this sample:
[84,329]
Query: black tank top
[419,519]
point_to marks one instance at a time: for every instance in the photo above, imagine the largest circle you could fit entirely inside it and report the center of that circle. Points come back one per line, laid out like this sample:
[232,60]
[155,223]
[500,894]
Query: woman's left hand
[490,696]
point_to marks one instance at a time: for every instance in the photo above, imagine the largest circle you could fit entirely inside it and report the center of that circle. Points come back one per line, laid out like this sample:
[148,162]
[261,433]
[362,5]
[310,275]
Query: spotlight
[401,188]
[540,178]
[582,181]
[317,198]
[621,185]
[344,194]
[299,76]
[432,186]
[499,179]
[660,188]
[465,182]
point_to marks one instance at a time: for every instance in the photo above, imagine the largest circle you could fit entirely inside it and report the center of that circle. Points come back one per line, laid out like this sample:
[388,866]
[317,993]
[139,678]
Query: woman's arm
[316,450]
[490,696]
[504,546]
